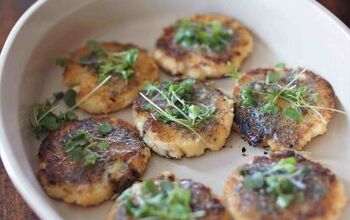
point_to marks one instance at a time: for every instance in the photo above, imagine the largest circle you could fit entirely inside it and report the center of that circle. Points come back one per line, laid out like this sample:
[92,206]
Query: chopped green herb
[90,157]
[233,71]
[44,120]
[69,97]
[272,77]
[293,113]
[209,37]
[105,128]
[246,95]
[108,63]
[179,106]
[84,146]
[165,200]
[80,139]
[103,145]
[270,108]
[297,97]
[284,181]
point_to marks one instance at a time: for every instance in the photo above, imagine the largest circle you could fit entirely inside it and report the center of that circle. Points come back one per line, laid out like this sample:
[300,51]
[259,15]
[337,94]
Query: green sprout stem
[172,118]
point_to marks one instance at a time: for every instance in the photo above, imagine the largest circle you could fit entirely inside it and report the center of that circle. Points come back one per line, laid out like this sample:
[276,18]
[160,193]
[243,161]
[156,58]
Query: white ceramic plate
[297,32]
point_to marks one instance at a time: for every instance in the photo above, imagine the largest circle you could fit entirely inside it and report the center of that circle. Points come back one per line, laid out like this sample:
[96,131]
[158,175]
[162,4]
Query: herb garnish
[233,71]
[69,97]
[209,37]
[163,201]
[108,63]
[271,92]
[284,181]
[44,120]
[84,146]
[179,106]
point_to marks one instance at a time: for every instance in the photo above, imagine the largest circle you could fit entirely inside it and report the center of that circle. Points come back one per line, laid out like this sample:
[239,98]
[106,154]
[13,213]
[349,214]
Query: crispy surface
[176,59]
[175,141]
[276,131]
[324,195]
[115,94]
[119,166]
[202,200]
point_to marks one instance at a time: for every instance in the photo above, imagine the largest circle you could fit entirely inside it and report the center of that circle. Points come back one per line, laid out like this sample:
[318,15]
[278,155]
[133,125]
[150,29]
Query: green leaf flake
[81,138]
[233,71]
[105,129]
[272,77]
[293,113]
[103,145]
[313,97]
[50,122]
[270,108]
[76,153]
[255,181]
[284,200]
[193,112]
[69,97]
[248,100]
[287,164]
[90,158]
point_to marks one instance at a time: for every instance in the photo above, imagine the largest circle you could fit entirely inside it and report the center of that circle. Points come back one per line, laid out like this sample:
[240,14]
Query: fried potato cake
[81,73]
[201,63]
[269,127]
[117,166]
[173,140]
[202,200]
[323,197]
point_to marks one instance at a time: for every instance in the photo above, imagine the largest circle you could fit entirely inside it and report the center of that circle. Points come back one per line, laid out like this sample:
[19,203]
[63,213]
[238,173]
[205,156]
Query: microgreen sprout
[209,37]
[109,63]
[83,146]
[165,200]
[284,180]
[44,120]
[233,71]
[179,106]
[295,96]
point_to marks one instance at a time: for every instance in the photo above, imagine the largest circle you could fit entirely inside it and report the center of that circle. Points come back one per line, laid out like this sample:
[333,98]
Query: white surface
[297,32]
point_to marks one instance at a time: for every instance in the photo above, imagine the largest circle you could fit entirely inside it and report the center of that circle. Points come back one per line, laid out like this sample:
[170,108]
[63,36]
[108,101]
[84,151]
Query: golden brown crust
[202,200]
[175,59]
[115,94]
[175,141]
[118,167]
[324,196]
[276,131]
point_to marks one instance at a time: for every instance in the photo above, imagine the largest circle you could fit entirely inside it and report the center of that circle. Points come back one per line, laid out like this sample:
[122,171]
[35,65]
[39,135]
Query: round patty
[173,140]
[121,163]
[277,131]
[202,200]
[177,59]
[117,93]
[323,198]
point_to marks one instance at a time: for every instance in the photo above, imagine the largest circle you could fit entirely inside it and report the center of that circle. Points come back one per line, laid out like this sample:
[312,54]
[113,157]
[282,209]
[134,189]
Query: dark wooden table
[12,206]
